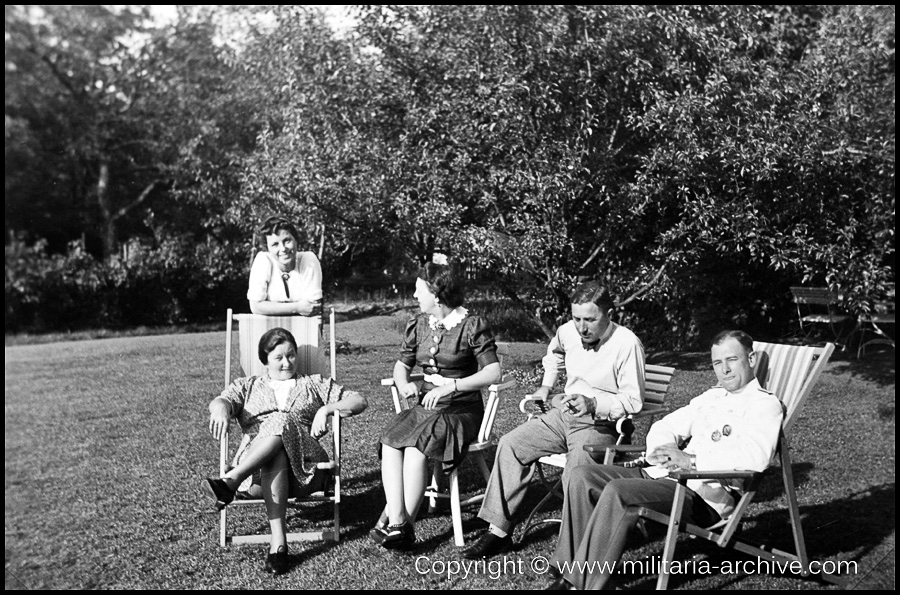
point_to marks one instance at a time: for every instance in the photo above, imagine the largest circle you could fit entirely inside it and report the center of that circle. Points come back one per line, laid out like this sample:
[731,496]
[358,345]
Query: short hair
[592,291]
[740,336]
[271,339]
[271,227]
[444,282]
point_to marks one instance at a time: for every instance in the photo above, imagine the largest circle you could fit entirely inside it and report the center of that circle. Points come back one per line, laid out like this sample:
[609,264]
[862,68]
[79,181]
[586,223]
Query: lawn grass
[106,444]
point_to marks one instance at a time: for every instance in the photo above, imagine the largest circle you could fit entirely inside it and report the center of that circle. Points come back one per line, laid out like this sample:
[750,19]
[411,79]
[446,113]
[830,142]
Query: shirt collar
[603,338]
[291,382]
[750,387]
[449,321]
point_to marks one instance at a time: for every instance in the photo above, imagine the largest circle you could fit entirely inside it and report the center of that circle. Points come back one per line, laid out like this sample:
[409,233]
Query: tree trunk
[110,216]
[109,220]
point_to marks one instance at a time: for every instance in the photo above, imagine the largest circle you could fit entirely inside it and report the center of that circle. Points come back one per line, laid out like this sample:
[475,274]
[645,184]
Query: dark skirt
[443,434]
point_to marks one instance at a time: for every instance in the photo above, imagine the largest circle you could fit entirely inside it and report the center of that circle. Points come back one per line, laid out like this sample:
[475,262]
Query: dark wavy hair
[592,291]
[444,282]
[272,339]
[743,338]
[271,227]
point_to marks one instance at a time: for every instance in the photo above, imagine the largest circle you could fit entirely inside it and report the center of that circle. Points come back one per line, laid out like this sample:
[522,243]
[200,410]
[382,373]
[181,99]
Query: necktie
[287,291]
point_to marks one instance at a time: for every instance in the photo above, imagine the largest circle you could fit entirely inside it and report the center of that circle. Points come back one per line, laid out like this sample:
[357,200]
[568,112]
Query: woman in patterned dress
[284,414]
[459,358]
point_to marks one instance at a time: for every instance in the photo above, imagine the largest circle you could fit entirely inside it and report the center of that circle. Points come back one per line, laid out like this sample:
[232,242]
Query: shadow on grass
[832,531]
[877,367]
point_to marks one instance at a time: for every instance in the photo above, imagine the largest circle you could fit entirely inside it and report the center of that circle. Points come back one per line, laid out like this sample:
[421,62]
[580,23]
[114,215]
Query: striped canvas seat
[790,372]
[306,330]
[311,359]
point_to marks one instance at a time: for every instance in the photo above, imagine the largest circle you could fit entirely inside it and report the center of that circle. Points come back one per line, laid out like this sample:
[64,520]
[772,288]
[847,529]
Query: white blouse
[304,280]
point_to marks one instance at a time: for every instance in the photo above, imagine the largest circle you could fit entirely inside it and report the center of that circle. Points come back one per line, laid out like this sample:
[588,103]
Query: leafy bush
[173,283]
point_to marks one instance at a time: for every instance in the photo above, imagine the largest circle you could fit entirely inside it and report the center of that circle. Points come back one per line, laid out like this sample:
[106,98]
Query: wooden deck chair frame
[790,372]
[477,449]
[307,332]
[656,386]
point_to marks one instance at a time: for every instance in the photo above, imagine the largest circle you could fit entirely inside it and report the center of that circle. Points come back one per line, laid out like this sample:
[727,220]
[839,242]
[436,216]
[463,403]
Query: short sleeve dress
[443,434]
[254,404]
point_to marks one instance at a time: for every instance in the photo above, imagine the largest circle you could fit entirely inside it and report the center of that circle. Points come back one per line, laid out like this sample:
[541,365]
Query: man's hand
[408,390]
[577,405]
[670,457]
[543,392]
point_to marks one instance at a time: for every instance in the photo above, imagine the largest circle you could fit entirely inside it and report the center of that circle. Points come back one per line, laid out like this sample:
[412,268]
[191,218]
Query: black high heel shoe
[218,490]
[399,537]
[277,563]
[378,532]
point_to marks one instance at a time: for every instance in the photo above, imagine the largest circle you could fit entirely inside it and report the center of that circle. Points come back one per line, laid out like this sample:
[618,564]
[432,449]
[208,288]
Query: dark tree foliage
[698,159]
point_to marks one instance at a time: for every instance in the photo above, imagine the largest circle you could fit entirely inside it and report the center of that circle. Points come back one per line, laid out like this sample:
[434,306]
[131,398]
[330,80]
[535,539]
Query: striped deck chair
[790,372]
[310,360]
[307,330]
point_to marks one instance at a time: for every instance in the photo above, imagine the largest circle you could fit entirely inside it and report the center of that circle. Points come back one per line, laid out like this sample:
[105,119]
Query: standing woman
[459,358]
[283,280]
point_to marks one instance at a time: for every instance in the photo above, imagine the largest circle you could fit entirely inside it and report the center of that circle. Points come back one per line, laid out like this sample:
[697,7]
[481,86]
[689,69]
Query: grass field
[106,444]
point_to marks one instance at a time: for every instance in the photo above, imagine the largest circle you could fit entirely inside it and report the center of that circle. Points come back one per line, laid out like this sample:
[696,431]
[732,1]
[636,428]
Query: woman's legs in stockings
[404,474]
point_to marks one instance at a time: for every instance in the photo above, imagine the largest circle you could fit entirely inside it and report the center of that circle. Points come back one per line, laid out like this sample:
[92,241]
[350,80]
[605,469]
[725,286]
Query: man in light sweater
[604,365]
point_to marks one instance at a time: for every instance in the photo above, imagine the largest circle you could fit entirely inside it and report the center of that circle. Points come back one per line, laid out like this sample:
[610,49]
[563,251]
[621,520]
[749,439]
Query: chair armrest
[599,452]
[505,383]
[535,401]
[620,448]
[719,475]
[412,378]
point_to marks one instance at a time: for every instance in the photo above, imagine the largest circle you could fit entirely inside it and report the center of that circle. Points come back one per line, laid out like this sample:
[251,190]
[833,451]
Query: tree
[653,147]
[125,116]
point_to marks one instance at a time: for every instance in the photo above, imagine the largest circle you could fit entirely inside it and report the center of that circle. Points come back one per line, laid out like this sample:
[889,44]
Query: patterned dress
[444,433]
[254,405]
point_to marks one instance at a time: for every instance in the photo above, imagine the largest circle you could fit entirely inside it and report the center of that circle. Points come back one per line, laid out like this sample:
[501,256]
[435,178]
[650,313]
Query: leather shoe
[218,490]
[277,563]
[559,584]
[399,537]
[487,546]
[378,533]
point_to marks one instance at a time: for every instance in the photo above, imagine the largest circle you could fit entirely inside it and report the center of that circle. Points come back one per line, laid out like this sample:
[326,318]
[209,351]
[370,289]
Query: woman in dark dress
[459,359]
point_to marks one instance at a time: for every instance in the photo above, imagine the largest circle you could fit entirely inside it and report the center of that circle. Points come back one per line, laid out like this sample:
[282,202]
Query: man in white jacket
[733,425]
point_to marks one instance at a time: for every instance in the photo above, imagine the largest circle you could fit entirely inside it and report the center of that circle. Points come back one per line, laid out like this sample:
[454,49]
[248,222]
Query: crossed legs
[600,508]
[268,455]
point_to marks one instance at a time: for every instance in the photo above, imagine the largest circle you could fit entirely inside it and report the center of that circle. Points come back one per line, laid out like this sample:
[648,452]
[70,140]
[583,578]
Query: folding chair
[884,313]
[656,386]
[790,372]
[477,449]
[817,305]
[306,331]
